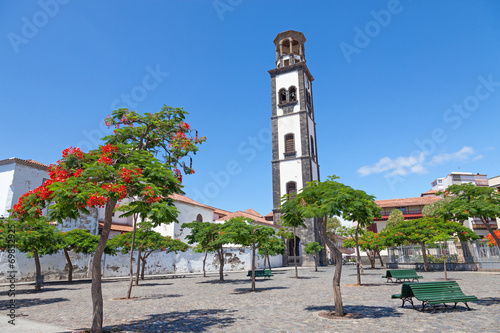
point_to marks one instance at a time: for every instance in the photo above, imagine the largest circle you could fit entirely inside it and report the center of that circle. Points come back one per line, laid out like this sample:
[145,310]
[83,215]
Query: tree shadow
[240,281]
[160,296]
[487,301]
[32,291]
[26,303]
[179,321]
[304,277]
[362,310]
[152,284]
[240,291]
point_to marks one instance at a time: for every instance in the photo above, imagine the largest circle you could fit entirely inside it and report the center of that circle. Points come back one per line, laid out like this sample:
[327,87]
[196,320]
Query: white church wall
[6,193]
[290,171]
[289,124]
[54,266]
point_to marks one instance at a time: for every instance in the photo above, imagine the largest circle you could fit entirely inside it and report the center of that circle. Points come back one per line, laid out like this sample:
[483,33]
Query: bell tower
[295,158]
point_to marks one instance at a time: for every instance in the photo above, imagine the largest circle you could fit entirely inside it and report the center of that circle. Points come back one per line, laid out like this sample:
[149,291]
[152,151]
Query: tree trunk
[380,257]
[253,265]
[295,254]
[268,261]
[97,304]
[70,266]
[424,256]
[138,269]
[316,263]
[358,256]
[38,270]
[339,308]
[491,231]
[444,265]
[372,259]
[142,268]
[131,269]
[220,252]
[265,257]
[204,261]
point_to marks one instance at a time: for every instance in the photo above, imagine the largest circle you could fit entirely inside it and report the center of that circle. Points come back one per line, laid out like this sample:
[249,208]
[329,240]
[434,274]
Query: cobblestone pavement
[281,304]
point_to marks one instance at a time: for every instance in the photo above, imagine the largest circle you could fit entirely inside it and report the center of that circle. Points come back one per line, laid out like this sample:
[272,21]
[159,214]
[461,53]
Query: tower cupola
[289,48]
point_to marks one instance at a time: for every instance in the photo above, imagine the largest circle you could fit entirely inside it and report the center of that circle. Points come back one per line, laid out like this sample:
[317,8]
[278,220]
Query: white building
[457,178]
[18,176]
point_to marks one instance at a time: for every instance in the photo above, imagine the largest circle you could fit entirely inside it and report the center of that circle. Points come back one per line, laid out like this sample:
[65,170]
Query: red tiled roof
[271,214]
[420,201]
[30,163]
[257,219]
[185,199]
[117,227]
[428,193]
[406,217]
[252,212]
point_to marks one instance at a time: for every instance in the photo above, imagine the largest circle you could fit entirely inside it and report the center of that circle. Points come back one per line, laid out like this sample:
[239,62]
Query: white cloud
[416,164]
[399,166]
[462,155]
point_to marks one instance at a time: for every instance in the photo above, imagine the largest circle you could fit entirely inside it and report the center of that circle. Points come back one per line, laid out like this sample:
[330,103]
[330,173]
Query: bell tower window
[290,145]
[282,95]
[292,91]
[291,189]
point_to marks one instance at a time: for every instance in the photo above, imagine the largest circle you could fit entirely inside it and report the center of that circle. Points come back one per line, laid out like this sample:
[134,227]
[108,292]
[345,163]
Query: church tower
[295,158]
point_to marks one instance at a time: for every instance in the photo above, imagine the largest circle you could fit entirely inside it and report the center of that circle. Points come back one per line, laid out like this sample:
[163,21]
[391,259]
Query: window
[291,189]
[289,145]
[282,96]
[312,146]
[199,218]
[287,62]
[293,93]
[402,209]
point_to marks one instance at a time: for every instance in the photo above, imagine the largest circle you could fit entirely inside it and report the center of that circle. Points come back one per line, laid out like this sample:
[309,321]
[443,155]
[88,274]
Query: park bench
[266,273]
[399,275]
[432,293]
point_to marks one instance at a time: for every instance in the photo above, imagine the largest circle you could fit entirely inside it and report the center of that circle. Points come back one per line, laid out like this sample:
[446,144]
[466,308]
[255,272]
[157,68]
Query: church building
[295,157]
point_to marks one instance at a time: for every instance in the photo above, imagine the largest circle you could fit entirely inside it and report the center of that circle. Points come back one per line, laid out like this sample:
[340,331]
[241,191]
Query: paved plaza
[281,304]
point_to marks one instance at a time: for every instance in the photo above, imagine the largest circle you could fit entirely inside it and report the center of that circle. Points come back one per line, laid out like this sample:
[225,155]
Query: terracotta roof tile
[118,227]
[30,163]
[257,219]
[253,212]
[428,193]
[419,201]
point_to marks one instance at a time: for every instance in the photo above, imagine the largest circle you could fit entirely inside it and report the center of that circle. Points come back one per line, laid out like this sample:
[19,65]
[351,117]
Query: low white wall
[54,266]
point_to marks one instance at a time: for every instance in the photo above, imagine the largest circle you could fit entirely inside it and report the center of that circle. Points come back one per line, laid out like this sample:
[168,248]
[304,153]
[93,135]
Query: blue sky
[404,92]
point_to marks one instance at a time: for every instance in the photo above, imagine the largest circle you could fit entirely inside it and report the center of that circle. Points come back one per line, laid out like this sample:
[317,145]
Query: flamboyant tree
[147,241]
[35,237]
[272,247]
[202,236]
[81,241]
[491,240]
[290,221]
[313,249]
[141,160]
[469,201]
[371,243]
[328,199]
[426,230]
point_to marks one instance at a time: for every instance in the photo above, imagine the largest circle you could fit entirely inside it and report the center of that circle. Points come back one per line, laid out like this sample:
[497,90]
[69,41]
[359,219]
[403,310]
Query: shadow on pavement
[178,321]
[240,281]
[364,311]
[26,303]
[257,290]
[488,301]
[33,291]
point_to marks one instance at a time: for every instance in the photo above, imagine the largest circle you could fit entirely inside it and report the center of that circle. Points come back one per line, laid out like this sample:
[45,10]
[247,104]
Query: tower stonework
[295,158]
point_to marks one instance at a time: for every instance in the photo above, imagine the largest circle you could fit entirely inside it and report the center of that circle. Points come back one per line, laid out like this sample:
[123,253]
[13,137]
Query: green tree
[468,200]
[147,241]
[435,209]
[126,166]
[426,230]
[395,218]
[81,241]
[273,247]
[328,199]
[369,242]
[35,238]
[202,235]
[313,249]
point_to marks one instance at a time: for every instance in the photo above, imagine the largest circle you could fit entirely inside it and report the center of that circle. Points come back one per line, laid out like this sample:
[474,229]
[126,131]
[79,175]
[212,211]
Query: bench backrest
[401,272]
[425,289]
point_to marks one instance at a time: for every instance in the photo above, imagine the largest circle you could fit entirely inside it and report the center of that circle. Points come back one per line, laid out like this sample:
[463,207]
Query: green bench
[265,273]
[399,275]
[433,293]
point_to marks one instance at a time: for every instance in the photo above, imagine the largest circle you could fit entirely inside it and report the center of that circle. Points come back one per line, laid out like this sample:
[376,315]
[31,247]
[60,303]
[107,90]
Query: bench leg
[468,309]
[424,303]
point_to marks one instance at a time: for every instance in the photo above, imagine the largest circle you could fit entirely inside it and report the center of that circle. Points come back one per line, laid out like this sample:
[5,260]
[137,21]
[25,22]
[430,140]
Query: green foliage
[148,241]
[426,230]
[273,245]
[435,209]
[368,241]
[395,217]
[82,241]
[34,235]
[313,248]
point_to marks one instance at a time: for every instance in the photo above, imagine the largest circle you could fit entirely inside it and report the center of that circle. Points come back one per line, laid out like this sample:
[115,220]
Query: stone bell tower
[295,157]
